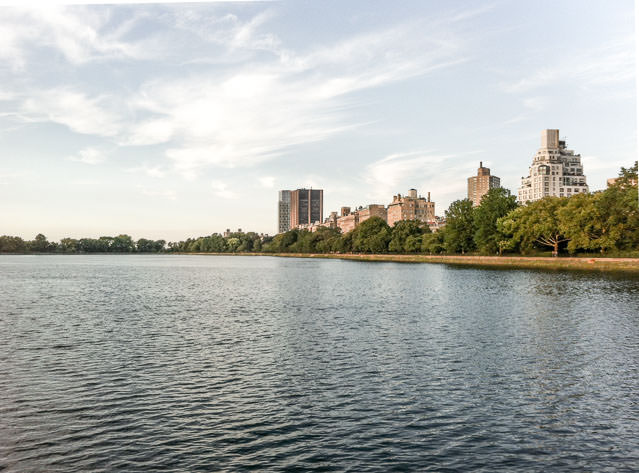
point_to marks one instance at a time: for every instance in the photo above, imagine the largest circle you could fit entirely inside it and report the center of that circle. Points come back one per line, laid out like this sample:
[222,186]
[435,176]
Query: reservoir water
[221,363]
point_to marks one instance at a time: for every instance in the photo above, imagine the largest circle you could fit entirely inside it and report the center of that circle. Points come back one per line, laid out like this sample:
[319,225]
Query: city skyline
[169,121]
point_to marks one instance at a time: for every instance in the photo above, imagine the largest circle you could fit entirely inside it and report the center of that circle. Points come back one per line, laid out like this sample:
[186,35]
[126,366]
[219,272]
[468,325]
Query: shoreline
[612,264]
[506,262]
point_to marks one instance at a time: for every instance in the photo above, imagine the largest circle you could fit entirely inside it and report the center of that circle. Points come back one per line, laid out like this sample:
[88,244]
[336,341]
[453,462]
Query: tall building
[306,207]
[555,171]
[284,212]
[410,207]
[480,184]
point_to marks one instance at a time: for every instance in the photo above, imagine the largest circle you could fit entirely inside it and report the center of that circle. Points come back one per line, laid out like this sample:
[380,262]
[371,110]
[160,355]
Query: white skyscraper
[555,171]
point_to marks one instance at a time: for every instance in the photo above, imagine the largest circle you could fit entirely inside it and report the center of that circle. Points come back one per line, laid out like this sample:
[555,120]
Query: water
[218,363]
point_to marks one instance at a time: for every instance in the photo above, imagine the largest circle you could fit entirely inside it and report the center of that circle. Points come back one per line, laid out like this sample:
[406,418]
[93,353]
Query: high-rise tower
[299,207]
[480,184]
[284,212]
[555,171]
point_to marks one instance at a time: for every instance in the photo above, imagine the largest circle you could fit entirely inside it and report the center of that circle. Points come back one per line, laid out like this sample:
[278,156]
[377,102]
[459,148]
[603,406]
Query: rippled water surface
[219,363]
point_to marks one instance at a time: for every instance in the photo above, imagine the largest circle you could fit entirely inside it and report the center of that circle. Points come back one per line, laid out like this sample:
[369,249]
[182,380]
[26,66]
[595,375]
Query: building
[410,207]
[347,220]
[307,207]
[372,210]
[480,184]
[284,212]
[555,171]
[299,207]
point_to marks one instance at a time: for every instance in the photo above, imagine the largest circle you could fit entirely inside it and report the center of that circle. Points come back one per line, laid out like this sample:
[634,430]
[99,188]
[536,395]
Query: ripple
[187,363]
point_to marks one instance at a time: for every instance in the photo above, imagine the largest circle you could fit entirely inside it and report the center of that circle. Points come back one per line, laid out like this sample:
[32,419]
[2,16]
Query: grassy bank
[588,264]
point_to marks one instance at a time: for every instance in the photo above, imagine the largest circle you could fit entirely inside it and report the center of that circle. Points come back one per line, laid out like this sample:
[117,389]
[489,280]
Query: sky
[180,120]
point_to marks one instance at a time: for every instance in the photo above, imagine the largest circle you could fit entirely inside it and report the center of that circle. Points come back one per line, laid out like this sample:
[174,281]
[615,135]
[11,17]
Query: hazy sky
[177,120]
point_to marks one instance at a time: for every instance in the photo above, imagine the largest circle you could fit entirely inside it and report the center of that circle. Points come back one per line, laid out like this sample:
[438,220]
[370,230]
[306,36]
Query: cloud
[89,156]
[222,190]
[254,102]
[445,175]
[612,63]
[244,115]
[79,112]
[80,34]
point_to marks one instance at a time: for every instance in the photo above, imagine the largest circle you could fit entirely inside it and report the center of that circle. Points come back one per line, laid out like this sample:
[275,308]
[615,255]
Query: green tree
[343,244]
[105,243]
[39,244]
[372,236]
[233,244]
[433,243]
[460,229]
[12,244]
[283,242]
[122,244]
[627,176]
[495,204]
[413,244]
[538,223]
[145,246]
[406,236]
[603,220]
[68,245]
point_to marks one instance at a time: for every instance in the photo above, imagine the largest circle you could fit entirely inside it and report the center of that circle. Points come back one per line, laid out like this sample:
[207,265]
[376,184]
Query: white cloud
[89,156]
[80,34]
[247,109]
[439,175]
[76,110]
[612,63]
[221,190]
[245,115]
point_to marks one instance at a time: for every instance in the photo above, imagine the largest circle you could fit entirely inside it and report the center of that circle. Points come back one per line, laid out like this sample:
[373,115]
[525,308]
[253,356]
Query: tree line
[104,244]
[606,222]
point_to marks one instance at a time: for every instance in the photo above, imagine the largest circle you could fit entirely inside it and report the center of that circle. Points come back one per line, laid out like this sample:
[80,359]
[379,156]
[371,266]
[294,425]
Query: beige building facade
[480,184]
[410,207]
[373,210]
[348,222]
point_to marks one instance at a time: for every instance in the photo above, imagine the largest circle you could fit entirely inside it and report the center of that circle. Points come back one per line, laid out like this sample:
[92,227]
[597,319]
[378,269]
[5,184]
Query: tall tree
[460,227]
[39,244]
[496,203]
